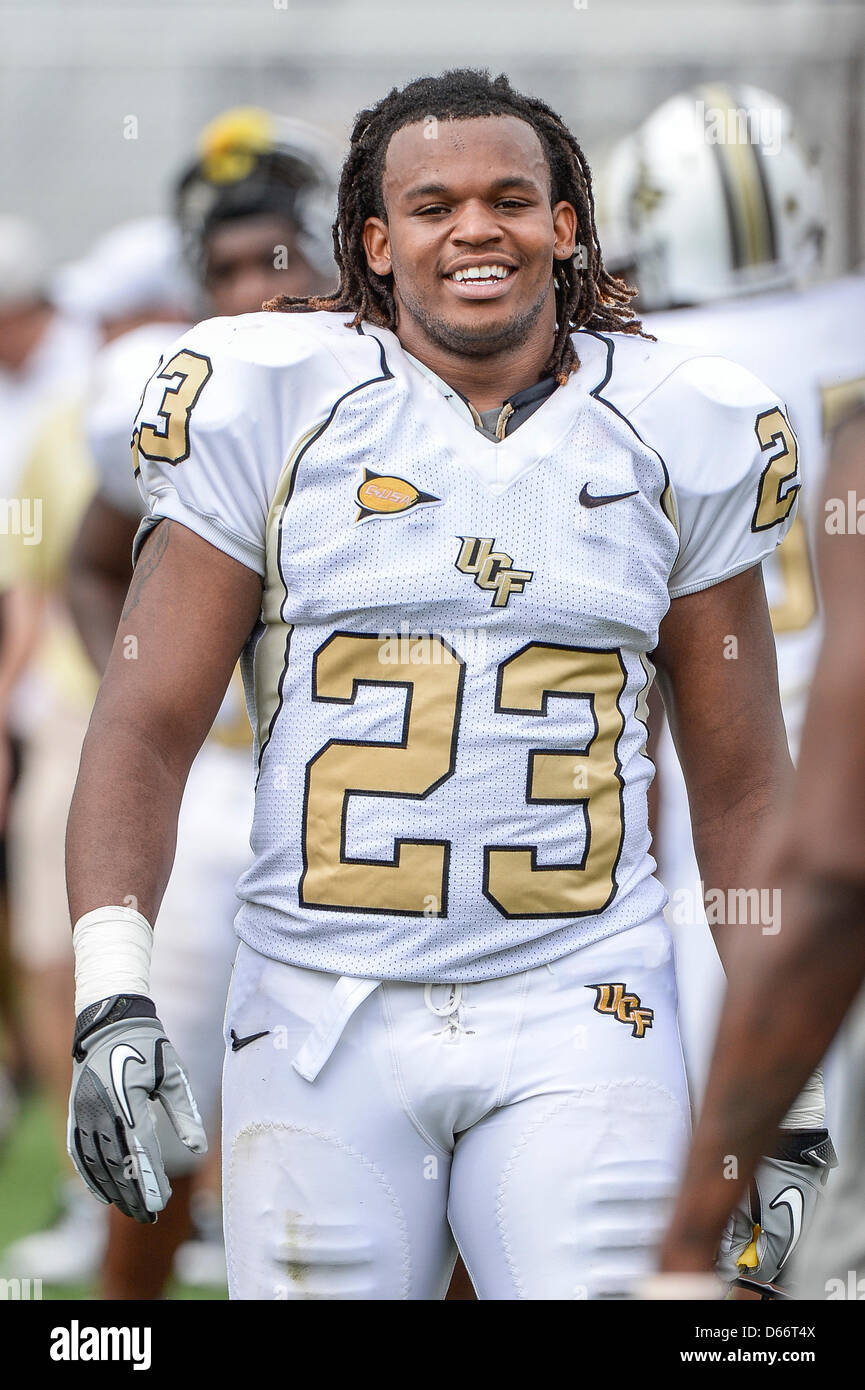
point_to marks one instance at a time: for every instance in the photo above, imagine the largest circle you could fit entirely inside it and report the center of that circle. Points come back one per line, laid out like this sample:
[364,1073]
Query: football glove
[122,1062]
[761,1236]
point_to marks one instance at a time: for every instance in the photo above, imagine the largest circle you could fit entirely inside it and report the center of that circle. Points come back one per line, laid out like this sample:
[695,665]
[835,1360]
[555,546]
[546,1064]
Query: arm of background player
[789,992]
[190,608]
[19,634]
[721,697]
[100,568]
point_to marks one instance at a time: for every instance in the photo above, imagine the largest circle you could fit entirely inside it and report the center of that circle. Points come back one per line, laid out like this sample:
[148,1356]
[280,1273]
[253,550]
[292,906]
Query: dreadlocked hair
[587,296]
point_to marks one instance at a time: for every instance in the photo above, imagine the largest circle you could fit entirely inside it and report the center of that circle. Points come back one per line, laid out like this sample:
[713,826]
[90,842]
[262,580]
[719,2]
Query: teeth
[481,272]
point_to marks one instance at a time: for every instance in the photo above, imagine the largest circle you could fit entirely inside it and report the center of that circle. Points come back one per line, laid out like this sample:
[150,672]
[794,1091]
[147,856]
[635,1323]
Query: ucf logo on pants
[613,999]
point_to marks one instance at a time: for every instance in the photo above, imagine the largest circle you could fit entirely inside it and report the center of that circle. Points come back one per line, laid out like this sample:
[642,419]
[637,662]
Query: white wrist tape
[808,1110]
[112,948]
[677,1287]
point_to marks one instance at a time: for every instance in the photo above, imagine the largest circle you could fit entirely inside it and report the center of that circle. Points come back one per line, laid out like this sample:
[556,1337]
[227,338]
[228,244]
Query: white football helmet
[250,160]
[712,196]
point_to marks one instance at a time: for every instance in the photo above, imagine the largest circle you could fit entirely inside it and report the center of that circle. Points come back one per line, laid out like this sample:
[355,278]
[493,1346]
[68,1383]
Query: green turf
[29,1177]
[28,1174]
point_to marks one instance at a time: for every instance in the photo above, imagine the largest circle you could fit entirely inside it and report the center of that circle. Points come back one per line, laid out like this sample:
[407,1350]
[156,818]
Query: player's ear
[565,228]
[376,244]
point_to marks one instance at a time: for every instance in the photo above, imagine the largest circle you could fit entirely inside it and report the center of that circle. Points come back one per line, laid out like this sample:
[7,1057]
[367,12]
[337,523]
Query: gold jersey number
[415,881]
[797,606]
[187,374]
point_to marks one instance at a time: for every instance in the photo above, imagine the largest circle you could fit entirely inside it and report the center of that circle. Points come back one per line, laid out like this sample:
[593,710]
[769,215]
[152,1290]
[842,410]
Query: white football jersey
[809,347]
[120,372]
[448,679]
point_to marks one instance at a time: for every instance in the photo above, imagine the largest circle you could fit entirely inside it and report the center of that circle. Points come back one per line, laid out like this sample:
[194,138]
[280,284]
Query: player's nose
[476,224]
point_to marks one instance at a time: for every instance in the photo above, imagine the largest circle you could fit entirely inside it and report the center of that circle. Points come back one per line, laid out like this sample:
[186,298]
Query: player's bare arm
[98,576]
[810,971]
[188,613]
[717,673]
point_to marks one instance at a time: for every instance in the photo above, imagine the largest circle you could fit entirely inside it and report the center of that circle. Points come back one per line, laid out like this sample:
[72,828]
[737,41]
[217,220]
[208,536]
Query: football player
[131,274]
[445,514]
[45,352]
[254,210]
[789,994]
[718,214]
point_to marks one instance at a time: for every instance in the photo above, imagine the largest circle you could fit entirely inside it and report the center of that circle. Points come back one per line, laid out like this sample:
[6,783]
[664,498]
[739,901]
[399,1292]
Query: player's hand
[122,1063]
[763,1233]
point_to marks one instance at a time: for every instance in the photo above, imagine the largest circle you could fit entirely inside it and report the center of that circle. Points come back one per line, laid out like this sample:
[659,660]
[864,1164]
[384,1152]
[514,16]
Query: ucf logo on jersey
[492,569]
[613,999]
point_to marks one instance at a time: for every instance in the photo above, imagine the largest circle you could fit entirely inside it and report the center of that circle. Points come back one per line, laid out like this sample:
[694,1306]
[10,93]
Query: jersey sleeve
[114,399]
[733,465]
[209,439]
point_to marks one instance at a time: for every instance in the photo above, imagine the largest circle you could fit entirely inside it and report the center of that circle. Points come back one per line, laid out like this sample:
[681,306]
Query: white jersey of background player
[714,206]
[192,958]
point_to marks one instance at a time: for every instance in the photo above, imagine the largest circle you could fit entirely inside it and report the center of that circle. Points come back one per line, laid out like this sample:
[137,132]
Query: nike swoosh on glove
[761,1236]
[122,1063]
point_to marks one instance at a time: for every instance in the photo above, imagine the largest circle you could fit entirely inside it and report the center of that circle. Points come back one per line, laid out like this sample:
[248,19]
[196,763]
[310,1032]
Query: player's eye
[431,208]
[511,203]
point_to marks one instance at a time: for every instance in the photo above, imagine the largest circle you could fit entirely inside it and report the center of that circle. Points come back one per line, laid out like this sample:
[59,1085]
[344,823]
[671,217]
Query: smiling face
[471,237]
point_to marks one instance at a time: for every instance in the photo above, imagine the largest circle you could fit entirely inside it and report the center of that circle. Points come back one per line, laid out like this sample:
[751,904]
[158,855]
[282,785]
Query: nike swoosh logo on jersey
[588,500]
[120,1055]
[237,1043]
[792,1199]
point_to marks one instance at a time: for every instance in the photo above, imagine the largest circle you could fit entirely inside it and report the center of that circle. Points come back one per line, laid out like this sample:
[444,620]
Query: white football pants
[541,1118]
[194,942]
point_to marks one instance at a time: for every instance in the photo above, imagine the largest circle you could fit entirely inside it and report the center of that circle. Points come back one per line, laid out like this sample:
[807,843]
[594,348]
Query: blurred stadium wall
[99,102]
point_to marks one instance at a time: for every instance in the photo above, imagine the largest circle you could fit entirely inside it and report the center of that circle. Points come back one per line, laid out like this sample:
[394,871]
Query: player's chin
[484,326]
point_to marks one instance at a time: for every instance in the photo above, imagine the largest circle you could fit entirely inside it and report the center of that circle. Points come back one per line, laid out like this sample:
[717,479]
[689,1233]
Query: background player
[133,274]
[788,994]
[462,244]
[253,211]
[45,352]
[717,215]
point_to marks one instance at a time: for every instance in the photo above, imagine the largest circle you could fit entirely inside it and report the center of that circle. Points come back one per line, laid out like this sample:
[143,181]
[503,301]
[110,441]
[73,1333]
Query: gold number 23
[415,881]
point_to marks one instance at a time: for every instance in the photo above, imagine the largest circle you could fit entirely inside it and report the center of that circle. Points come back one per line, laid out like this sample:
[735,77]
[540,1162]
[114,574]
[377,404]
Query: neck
[485,381]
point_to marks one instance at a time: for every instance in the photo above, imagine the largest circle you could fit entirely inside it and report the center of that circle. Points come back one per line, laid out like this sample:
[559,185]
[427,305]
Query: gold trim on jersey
[641,710]
[668,506]
[271,652]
